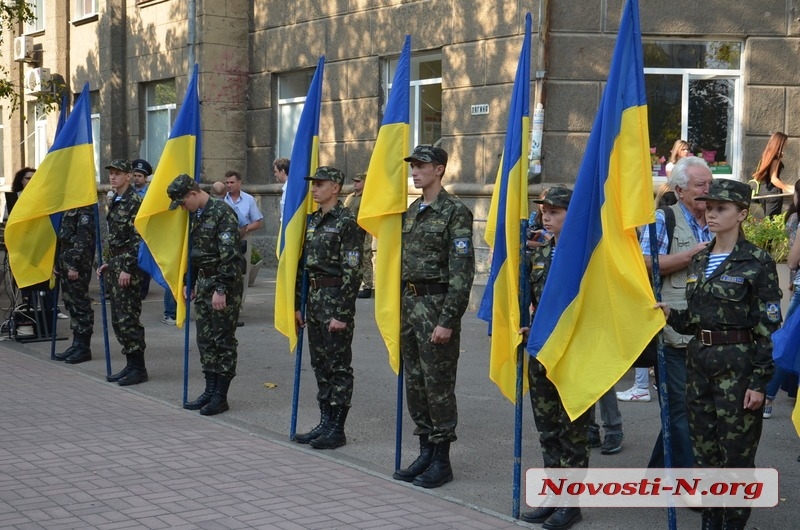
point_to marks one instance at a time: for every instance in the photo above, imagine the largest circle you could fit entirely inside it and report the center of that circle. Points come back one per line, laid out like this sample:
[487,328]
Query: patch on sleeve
[353,258]
[773,311]
[225,236]
[692,278]
[84,220]
[538,265]
[461,246]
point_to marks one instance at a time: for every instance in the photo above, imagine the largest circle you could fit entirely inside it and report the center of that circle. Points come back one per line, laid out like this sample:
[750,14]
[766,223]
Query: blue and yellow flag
[297,206]
[596,314]
[165,232]
[64,180]
[500,305]
[786,352]
[384,201]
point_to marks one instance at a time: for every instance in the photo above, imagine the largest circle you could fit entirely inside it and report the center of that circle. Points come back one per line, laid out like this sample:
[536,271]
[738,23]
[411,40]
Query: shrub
[255,256]
[769,234]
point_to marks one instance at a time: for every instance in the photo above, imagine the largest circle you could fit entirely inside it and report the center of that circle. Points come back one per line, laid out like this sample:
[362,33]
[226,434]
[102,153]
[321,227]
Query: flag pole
[662,371]
[101,278]
[524,316]
[298,354]
[187,301]
[398,431]
[54,318]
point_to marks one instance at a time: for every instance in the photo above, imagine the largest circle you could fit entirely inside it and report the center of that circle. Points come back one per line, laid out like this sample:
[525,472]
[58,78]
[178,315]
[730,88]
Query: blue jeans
[170,305]
[681,443]
[780,374]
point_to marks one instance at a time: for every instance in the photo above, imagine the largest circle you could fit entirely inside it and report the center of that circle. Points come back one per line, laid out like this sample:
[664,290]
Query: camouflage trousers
[430,369]
[723,433]
[366,262]
[565,443]
[216,330]
[331,354]
[126,307]
[75,294]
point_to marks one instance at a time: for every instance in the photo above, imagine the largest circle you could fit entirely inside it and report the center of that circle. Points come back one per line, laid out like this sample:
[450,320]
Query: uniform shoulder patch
[773,311]
[461,246]
[84,220]
[353,258]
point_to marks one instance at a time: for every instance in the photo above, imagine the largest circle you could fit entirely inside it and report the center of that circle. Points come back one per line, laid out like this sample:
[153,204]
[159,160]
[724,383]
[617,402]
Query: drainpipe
[542,33]
[191,31]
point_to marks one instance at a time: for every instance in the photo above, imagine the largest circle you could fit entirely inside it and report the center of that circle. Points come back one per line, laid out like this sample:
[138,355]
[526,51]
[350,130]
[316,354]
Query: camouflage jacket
[214,233]
[77,238]
[122,249]
[743,293]
[541,259]
[353,203]
[332,249]
[437,248]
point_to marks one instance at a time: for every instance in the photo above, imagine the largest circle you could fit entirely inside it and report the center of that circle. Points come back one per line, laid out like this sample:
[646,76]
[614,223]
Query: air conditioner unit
[23,49]
[37,81]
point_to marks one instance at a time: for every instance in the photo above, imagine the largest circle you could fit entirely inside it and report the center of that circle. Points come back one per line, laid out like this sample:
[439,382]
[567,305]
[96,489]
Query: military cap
[121,164]
[558,196]
[428,153]
[359,177]
[179,188]
[723,189]
[328,173]
[142,166]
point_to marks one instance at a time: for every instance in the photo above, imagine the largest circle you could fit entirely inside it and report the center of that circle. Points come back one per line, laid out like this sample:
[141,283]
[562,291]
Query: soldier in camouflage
[438,266]
[353,203]
[332,251]
[76,247]
[217,288]
[565,443]
[733,309]
[124,276]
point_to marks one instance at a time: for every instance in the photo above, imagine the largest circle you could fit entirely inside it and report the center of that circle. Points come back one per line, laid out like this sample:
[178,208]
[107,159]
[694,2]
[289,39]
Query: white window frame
[36,25]
[151,154]
[415,95]
[85,9]
[290,109]
[2,152]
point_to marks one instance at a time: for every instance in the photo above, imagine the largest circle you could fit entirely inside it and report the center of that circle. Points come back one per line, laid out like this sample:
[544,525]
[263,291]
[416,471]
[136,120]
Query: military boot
[322,426]
[333,436]
[122,373]
[218,403]
[439,472]
[82,351]
[63,356]
[419,465]
[208,393]
[138,372]
[712,519]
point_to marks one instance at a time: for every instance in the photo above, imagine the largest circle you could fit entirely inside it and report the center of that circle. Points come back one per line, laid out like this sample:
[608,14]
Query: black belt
[421,289]
[114,252]
[732,336]
[330,281]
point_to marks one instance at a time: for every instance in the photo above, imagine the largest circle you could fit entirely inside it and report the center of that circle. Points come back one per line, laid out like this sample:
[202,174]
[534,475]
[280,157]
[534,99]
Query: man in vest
[690,178]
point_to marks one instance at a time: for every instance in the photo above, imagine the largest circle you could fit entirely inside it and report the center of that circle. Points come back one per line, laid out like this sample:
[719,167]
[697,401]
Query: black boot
[439,472]
[208,393]
[122,373]
[712,519]
[562,519]
[138,372]
[539,515]
[82,349]
[364,293]
[322,426]
[218,403]
[333,436]
[419,465]
[63,356]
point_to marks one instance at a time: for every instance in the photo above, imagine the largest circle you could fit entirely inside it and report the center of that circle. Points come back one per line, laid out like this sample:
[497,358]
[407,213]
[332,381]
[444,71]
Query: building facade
[719,73]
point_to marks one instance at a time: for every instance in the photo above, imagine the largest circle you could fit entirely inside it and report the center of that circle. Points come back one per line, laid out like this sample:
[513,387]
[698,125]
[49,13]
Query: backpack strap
[669,218]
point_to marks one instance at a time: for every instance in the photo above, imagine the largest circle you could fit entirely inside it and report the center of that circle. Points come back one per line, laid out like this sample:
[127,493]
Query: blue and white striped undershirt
[713,262]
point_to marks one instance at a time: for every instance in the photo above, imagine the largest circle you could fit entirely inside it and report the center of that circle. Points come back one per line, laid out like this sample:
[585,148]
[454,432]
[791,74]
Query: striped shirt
[714,261]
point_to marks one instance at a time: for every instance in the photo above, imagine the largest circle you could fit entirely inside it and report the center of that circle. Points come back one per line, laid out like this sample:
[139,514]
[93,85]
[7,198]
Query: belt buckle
[705,337]
[412,288]
[313,282]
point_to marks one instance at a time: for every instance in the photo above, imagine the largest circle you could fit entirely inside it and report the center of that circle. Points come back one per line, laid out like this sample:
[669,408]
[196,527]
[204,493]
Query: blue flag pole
[298,355]
[524,315]
[187,300]
[398,429]
[102,288]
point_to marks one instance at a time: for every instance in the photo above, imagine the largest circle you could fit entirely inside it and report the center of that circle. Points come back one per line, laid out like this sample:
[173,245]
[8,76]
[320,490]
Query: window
[159,113]
[85,8]
[425,99]
[2,153]
[36,25]
[694,93]
[94,109]
[292,92]
[36,145]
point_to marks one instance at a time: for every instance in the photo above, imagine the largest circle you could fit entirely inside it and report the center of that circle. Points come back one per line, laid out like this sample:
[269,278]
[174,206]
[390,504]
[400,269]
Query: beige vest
[673,286]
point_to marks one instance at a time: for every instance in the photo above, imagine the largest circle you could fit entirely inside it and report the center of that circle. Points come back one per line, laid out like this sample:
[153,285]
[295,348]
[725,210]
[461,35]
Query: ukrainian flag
[298,204]
[596,313]
[786,353]
[166,232]
[385,200]
[500,305]
[64,180]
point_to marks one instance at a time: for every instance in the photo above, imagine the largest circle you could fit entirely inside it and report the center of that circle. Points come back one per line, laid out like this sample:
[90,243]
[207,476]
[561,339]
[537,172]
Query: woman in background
[680,149]
[768,174]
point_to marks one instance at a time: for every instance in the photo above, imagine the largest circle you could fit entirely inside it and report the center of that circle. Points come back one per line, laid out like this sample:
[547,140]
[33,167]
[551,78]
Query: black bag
[649,355]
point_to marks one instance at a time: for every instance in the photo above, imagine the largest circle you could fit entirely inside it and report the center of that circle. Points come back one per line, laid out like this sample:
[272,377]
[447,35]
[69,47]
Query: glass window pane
[37,7]
[430,113]
[96,144]
[161,93]
[294,85]
[288,120]
[158,125]
[693,54]
[663,110]
[711,118]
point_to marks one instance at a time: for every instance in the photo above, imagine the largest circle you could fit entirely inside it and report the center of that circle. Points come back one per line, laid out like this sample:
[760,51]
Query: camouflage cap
[328,173]
[428,153]
[179,188]
[359,177]
[558,196]
[121,164]
[142,166]
[722,189]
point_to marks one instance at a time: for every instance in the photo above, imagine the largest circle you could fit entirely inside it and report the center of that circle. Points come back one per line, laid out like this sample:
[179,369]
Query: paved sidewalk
[78,453]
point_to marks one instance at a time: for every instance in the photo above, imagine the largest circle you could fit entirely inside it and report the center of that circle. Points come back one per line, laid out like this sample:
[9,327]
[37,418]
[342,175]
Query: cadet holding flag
[438,266]
[332,250]
[216,289]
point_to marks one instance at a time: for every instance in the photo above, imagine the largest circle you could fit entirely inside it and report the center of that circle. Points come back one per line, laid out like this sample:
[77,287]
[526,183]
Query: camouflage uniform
[122,256]
[437,255]
[564,443]
[76,240]
[216,264]
[332,252]
[353,202]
